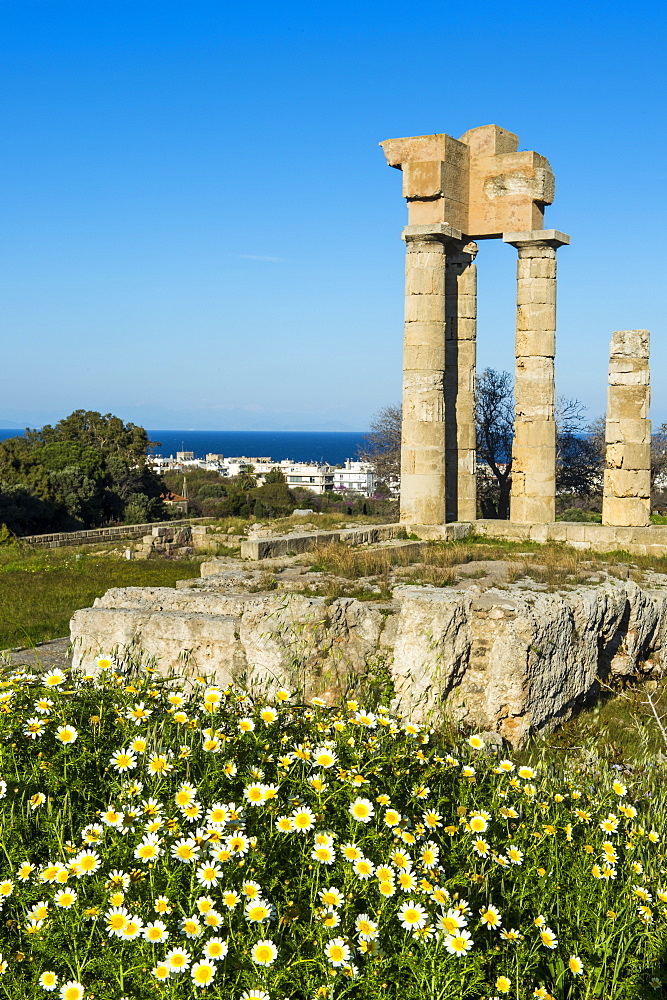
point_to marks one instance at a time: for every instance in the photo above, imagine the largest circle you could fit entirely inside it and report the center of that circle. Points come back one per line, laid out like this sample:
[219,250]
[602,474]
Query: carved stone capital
[537,239]
[434,233]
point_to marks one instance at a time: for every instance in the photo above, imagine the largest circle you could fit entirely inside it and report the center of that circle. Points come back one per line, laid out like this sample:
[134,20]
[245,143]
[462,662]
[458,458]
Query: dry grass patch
[554,566]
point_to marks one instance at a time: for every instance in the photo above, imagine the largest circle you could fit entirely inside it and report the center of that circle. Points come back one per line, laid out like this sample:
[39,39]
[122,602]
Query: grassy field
[40,589]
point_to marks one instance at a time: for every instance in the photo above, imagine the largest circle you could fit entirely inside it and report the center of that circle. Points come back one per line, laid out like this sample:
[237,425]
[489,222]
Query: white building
[318,477]
[356,476]
[314,477]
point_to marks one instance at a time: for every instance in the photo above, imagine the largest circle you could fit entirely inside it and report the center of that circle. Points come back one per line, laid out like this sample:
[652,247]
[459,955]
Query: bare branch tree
[494,406]
[382,447]
[659,456]
[579,463]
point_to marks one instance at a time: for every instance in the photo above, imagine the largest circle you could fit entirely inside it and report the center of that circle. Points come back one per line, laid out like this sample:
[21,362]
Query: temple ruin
[460,191]
[507,655]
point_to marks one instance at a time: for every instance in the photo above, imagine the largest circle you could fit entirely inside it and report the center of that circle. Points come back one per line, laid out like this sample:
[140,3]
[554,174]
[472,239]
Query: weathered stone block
[422,397]
[466,436]
[627,483]
[536,267]
[637,456]
[422,179]
[628,403]
[637,431]
[628,371]
[540,481]
[535,342]
[466,305]
[536,291]
[425,460]
[425,504]
[431,650]
[466,329]
[630,344]
[424,281]
[535,434]
[424,308]
[423,333]
[535,316]
[625,511]
[532,509]
[423,357]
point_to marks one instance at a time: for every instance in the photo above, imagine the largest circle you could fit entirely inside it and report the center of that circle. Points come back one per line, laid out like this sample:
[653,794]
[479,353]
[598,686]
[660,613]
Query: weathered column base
[532,510]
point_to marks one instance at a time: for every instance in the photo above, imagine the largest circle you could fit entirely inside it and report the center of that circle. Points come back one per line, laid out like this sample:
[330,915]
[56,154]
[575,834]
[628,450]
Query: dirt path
[43,656]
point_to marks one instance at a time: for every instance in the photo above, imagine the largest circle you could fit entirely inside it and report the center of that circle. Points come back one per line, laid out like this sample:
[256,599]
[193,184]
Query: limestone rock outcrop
[510,661]
[263,641]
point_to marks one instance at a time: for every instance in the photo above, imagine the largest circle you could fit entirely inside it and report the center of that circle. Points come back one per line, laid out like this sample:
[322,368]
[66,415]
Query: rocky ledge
[511,662]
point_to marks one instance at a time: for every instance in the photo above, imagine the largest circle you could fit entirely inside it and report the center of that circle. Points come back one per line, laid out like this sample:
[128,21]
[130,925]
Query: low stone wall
[304,541]
[58,539]
[509,663]
[650,540]
[645,541]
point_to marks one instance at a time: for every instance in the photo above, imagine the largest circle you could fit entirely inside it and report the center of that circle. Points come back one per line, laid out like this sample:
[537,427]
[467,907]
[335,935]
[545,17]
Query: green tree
[214,491]
[86,469]
[24,513]
[105,433]
[143,509]
[578,467]
[275,499]
[79,495]
[274,476]
[579,464]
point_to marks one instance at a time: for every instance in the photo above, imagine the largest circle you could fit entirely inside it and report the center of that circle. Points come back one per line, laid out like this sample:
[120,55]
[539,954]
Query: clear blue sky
[199,230]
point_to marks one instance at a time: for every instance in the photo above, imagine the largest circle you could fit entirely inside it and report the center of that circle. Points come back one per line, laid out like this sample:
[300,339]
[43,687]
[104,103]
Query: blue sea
[332,447]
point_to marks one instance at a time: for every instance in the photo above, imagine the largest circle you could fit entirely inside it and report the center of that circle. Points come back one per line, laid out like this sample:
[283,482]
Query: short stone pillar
[534,449]
[460,365]
[626,499]
[423,430]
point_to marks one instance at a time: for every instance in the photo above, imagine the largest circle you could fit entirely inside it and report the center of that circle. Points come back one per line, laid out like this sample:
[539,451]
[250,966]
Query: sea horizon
[331,447]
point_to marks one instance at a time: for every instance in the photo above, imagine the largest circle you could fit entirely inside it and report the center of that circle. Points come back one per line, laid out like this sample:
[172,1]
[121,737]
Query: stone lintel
[439,230]
[553,237]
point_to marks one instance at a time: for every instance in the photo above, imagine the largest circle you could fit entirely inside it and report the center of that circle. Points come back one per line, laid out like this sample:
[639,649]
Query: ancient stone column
[626,499]
[460,362]
[423,431]
[534,448]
